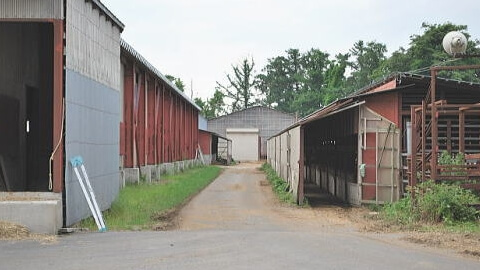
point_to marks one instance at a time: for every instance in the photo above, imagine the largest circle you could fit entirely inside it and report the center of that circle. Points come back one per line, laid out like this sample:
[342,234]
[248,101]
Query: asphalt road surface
[235,223]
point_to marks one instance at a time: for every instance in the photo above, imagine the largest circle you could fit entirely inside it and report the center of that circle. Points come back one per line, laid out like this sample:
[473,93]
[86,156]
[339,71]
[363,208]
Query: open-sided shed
[359,148]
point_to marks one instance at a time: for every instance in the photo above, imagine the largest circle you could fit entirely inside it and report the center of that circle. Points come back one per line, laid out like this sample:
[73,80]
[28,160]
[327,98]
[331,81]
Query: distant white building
[249,130]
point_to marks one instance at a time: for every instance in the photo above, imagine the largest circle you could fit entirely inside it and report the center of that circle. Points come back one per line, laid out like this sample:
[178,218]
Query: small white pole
[94,199]
[87,198]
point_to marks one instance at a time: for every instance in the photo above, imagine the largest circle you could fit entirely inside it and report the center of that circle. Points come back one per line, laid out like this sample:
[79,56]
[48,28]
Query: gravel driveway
[235,223]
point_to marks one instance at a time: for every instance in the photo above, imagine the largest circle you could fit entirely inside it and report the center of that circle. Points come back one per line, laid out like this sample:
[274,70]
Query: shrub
[433,203]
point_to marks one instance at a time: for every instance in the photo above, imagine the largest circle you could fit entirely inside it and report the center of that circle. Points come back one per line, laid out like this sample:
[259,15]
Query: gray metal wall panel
[31,9]
[268,121]
[202,122]
[93,44]
[92,124]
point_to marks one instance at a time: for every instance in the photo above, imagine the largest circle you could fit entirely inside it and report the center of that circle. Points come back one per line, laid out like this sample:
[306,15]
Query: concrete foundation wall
[154,173]
[39,212]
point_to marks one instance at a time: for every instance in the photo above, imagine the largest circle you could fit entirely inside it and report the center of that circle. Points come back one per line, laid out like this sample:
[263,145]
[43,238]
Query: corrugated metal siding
[92,123]
[93,44]
[284,157]
[31,9]
[268,121]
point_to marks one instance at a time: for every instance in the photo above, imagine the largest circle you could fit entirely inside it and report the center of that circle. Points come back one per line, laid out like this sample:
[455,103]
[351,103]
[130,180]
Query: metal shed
[60,91]
[360,148]
[159,123]
[267,121]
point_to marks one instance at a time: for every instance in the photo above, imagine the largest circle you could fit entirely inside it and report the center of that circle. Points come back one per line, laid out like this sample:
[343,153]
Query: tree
[297,82]
[241,85]
[177,82]
[335,79]
[213,107]
[426,50]
[367,58]
[276,85]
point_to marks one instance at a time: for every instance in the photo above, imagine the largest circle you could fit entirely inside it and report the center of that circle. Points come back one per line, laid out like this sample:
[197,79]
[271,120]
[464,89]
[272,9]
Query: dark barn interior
[331,156]
[26,105]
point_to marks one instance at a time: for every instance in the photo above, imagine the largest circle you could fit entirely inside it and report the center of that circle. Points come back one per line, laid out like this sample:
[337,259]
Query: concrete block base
[131,175]
[40,212]
[154,172]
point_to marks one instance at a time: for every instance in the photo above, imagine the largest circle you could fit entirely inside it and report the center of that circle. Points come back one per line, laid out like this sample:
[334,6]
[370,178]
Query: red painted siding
[57,101]
[158,122]
[205,141]
[387,105]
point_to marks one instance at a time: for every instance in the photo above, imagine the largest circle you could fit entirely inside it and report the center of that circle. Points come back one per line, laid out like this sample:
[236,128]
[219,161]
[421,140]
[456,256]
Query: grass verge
[279,186]
[151,206]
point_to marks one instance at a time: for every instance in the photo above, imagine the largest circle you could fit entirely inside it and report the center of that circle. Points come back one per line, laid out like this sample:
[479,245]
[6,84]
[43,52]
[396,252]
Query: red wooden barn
[159,123]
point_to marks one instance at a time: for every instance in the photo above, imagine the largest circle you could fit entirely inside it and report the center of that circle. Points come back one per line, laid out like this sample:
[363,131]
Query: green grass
[138,204]
[279,186]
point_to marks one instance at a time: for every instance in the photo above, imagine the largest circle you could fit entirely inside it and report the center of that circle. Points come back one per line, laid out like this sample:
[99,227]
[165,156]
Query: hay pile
[10,230]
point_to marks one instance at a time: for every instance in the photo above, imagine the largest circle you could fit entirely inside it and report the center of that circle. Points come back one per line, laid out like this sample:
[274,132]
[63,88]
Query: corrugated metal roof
[409,76]
[349,100]
[128,48]
[107,12]
[251,108]
[217,135]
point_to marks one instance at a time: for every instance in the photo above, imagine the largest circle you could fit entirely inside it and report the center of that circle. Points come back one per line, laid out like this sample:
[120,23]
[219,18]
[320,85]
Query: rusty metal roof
[403,80]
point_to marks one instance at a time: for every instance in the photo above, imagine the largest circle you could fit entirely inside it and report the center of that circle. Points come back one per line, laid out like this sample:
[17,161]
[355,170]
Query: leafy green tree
[299,82]
[275,84]
[426,50]
[367,58]
[335,79]
[241,85]
[177,81]
[212,107]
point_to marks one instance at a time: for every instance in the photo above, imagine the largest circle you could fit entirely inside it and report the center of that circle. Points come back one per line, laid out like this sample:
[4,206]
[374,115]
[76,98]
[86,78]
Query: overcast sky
[199,40]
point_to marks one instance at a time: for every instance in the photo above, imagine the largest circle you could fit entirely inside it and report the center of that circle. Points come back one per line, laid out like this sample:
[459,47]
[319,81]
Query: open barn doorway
[331,150]
[26,105]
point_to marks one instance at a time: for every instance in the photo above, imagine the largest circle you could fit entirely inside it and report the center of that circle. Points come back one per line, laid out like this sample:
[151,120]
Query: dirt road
[235,223]
[242,199]
[232,202]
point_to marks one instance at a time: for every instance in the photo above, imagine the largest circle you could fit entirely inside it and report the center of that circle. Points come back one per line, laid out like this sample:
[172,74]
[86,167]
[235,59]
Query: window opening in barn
[26,105]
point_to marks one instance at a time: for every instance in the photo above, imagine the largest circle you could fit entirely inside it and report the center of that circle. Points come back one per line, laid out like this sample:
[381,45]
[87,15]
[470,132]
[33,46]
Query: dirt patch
[467,244]
[12,231]
[166,220]
[462,243]
[264,183]
[236,187]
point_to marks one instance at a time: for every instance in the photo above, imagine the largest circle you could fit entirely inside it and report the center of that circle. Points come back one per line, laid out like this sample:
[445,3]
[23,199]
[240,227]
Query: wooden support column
[461,131]
[449,136]
[434,120]
[58,112]
[424,139]
[413,145]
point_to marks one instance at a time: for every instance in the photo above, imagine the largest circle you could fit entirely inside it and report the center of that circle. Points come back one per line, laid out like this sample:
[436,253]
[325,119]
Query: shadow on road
[318,197]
